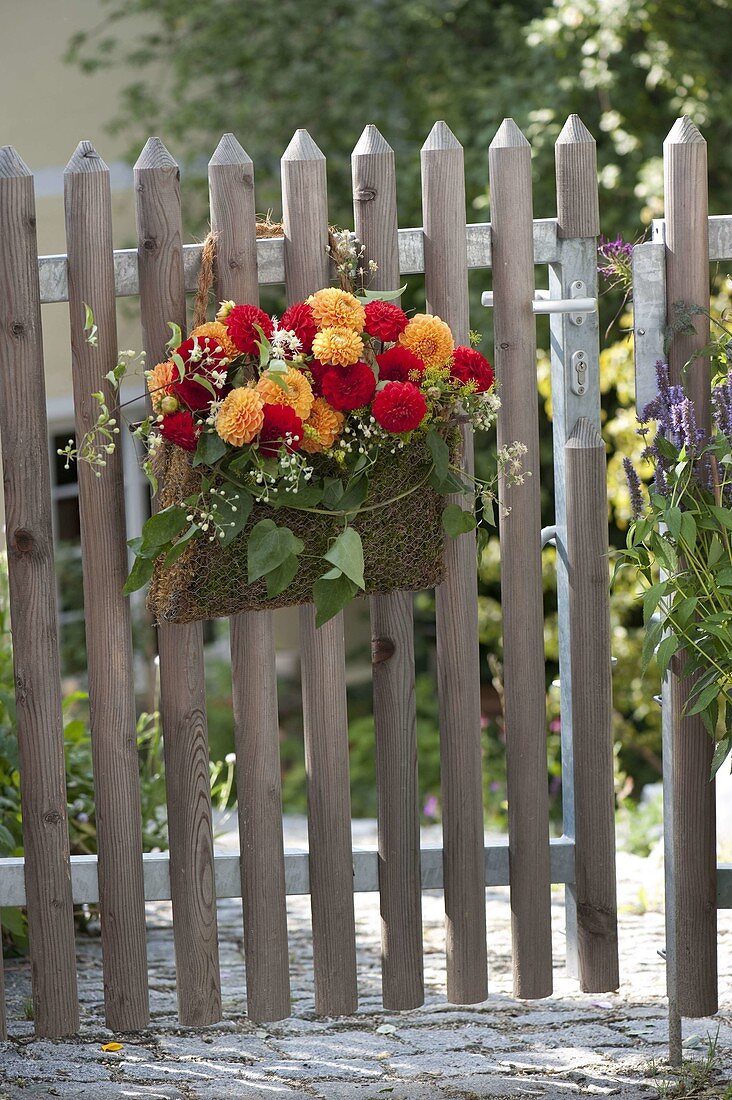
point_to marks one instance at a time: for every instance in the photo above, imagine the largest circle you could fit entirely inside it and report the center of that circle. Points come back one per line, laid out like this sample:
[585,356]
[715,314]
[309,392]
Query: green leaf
[724,515]
[176,337]
[381,295]
[268,547]
[140,574]
[180,365]
[651,599]
[440,452]
[346,554]
[666,650]
[688,530]
[673,521]
[206,383]
[649,644]
[354,496]
[210,449]
[177,549]
[700,702]
[161,528]
[331,593]
[683,610]
[723,579]
[456,521]
[282,576]
[716,550]
[232,515]
[721,752]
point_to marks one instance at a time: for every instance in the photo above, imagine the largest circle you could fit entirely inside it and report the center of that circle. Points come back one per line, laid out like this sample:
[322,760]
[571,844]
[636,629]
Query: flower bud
[169,404]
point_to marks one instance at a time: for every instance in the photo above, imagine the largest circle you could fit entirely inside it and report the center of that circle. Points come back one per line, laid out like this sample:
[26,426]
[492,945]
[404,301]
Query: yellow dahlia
[429,338]
[215,330]
[322,428]
[341,346]
[240,416]
[298,395]
[334,308]
[160,382]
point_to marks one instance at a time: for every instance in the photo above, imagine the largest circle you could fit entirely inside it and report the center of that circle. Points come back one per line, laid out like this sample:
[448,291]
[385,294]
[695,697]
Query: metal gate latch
[576,306]
[579,372]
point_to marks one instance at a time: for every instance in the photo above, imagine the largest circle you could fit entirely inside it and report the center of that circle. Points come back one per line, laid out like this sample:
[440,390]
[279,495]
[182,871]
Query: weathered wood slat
[521,583]
[589,613]
[392,641]
[458,668]
[253,673]
[88,205]
[26,479]
[325,719]
[271,258]
[694,916]
[182,685]
[575,159]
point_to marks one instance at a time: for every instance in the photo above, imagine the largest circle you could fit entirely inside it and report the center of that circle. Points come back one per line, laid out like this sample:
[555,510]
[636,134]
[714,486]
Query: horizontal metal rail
[720,236]
[271,259]
[85,887]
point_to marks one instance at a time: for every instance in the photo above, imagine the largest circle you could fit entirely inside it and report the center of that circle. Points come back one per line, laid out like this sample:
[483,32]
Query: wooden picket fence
[162,270]
[674,267]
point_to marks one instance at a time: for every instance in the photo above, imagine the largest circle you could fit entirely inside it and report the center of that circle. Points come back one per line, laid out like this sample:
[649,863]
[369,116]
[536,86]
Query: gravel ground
[572,1043]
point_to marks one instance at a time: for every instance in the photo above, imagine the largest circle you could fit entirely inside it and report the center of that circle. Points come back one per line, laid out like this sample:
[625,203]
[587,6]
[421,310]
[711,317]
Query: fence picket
[88,204]
[325,718]
[521,582]
[589,614]
[182,684]
[693,911]
[253,673]
[458,669]
[26,477]
[392,632]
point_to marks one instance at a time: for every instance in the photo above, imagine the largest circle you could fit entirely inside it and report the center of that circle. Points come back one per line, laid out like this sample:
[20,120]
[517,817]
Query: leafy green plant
[679,543]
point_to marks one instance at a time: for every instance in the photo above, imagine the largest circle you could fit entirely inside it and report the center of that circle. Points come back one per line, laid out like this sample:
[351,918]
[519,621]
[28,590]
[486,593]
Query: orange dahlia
[217,331]
[322,428]
[429,338]
[240,416]
[338,345]
[298,395]
[334,308]
[160,383]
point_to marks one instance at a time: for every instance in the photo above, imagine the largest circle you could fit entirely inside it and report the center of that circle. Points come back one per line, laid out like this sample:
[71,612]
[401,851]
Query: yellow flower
[322,428]
[341,346]
[429,338]
[160,382]
[298,395]
[240,416]
[334,308]
[215,330]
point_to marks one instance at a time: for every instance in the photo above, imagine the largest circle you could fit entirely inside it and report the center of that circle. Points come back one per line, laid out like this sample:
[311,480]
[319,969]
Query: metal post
[575,343]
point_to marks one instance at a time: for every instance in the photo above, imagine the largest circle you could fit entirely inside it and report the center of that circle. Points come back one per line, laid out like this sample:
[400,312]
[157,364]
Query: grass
[697,1079]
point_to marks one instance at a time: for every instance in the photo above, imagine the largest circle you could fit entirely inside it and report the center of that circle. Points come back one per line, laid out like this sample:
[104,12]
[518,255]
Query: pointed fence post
[32,584]
[521,581]
[458,666]
[325,717]
[113,721]
[182,682]
[590,906]
[691,905]
[253,671]
[392,643]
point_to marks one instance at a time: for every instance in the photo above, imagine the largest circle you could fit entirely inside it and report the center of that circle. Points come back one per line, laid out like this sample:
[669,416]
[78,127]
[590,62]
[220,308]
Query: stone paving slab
[571,1044]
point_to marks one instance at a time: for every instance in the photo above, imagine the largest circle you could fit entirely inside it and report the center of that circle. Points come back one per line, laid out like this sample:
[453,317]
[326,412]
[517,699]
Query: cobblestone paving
[570,1044]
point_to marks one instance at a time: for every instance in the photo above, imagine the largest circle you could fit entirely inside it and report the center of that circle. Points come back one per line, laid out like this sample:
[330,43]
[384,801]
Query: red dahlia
[180,428]
[468,365]
[240,323]
[347,388]
[384,320]
[399,407]
[317,372]
[299,319]
[279,421]
[200,356]
[396,363]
